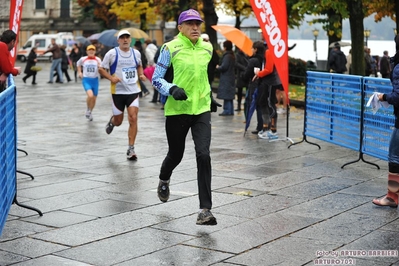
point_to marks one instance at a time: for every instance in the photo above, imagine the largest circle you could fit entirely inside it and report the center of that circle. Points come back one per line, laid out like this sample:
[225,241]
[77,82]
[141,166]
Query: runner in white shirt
[125,68]
[88,71]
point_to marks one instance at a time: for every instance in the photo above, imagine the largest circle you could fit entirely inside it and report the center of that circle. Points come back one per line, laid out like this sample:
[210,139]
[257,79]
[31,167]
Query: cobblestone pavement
[274,205]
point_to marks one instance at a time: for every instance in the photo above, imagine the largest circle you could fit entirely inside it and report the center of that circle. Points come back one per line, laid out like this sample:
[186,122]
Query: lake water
[304,49]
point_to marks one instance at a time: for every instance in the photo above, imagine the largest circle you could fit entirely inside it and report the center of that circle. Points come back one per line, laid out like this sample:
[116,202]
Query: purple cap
[190,14]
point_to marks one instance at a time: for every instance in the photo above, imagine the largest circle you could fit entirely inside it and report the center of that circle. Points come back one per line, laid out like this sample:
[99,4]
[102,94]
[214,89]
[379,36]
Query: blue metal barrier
[333,108]
[377,128]
[8,142]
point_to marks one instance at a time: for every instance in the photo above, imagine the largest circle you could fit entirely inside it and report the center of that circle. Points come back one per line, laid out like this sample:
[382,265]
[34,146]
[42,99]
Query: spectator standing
[7,43]
[385,65]
[254,62]
[267,96]
[391,198]
[139,47]
[88,67]
[57,60]
[188,107]
[337,60]
[241,65]
[31,62]
[125,68]
[349,63]
[226,90]
[75,55]
[150,51]
[367,59]
[64,64]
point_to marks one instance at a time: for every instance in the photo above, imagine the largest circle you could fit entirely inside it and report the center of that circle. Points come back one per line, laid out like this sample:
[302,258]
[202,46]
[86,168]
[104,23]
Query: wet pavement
[274,205]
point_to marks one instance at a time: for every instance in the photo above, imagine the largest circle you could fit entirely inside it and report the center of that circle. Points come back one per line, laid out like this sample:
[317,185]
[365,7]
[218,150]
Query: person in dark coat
[255,61]
[391,199]
[337,60]
[385,66]
[75,55]
[227,90]
[64,64]
[241,65]
[31,61]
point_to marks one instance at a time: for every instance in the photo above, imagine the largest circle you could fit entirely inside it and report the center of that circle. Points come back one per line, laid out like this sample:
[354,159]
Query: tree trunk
[332,17]
[210,18]
[356,17]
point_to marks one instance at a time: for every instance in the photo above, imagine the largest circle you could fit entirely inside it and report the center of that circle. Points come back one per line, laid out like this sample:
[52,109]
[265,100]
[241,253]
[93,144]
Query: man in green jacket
[181,74]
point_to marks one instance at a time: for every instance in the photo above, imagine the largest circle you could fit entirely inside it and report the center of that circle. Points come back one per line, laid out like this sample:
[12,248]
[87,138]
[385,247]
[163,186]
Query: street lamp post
[395,31]
[315,34]
[366,35]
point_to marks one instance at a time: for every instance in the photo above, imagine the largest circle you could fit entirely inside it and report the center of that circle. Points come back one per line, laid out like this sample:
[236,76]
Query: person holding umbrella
[188,107]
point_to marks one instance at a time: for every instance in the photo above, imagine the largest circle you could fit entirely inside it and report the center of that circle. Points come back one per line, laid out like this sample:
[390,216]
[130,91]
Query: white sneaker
[281,111]
[268,135]
[88,115]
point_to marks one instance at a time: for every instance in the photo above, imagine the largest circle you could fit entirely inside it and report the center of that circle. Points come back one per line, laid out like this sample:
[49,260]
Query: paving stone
[51,260]
[8,258]
[104,208]
[376,240]
[251,234]
[59,219]
[29,247]
[179,255]
[91,231]
[123,247]
[16,228]
[285,251]
[328,206]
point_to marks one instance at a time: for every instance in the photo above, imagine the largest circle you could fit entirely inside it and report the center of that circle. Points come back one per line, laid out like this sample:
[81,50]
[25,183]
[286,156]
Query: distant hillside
[379,31]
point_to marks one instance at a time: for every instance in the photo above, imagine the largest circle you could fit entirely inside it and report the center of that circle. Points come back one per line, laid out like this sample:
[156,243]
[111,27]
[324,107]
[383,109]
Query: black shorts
[123,100]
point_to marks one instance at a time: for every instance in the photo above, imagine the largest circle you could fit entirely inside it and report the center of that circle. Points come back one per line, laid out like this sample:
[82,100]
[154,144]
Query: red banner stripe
[272,18]
[15,22]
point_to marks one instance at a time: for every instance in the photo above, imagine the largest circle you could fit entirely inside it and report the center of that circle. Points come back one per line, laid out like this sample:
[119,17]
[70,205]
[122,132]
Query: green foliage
[297,69]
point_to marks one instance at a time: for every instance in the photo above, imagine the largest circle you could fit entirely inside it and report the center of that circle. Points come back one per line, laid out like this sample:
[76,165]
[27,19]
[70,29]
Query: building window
[40,4]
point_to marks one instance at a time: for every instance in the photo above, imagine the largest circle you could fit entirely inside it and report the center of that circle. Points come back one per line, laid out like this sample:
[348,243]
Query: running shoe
[205,217]
[130,154]
[109,127]
[163,190]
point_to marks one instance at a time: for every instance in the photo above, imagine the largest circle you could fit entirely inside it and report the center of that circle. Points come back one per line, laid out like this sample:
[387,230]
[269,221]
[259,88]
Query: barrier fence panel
[333,108]
[8,151]
[377,128]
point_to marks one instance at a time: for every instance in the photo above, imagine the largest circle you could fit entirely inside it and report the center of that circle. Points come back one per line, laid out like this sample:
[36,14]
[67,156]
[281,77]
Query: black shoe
[50,82]
[238,109]
[255,132]
[205,217]
[163,190]
[34,83]
[24,80]
[153,101]
[109,127]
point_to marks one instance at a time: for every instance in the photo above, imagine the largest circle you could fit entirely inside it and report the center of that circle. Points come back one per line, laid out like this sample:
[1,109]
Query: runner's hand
[178,93]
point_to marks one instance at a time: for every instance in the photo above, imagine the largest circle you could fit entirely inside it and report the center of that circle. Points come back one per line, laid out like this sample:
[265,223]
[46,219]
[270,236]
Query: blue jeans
[56,65]
[393,153]
[228,107]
